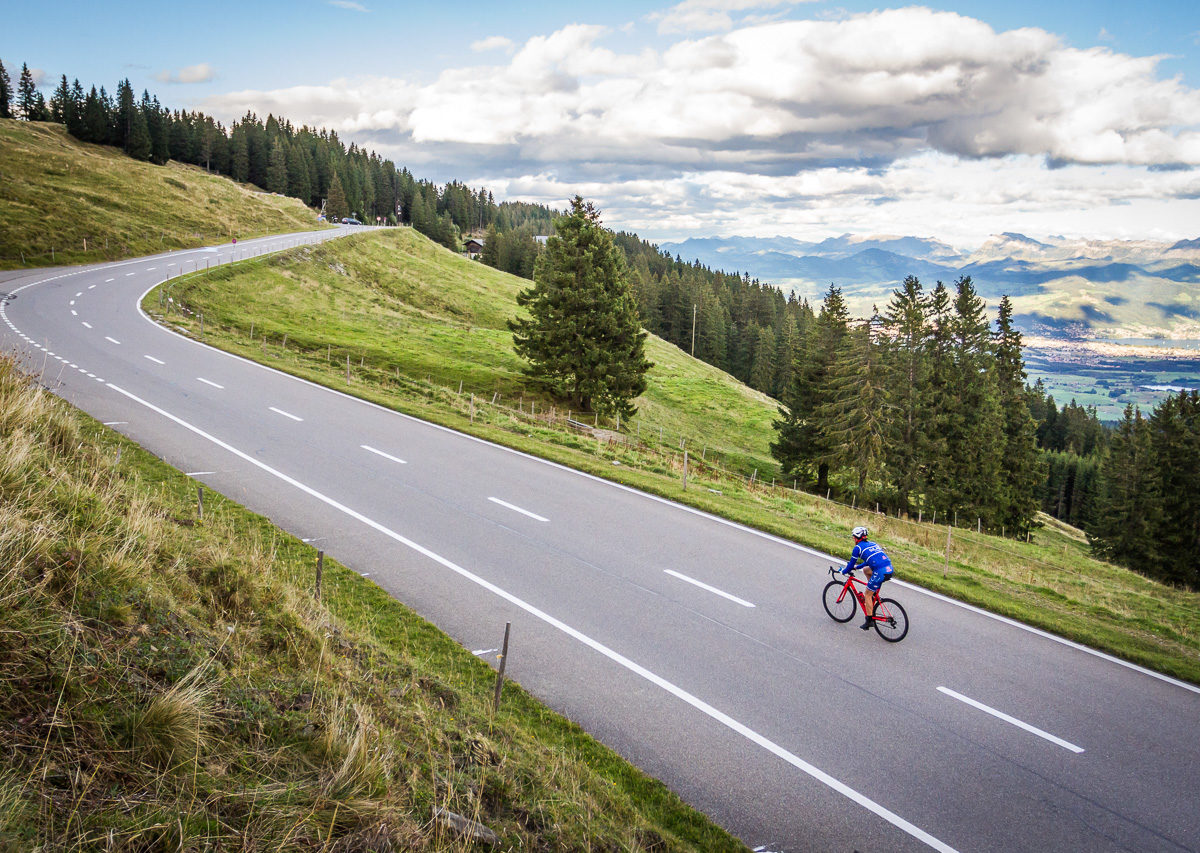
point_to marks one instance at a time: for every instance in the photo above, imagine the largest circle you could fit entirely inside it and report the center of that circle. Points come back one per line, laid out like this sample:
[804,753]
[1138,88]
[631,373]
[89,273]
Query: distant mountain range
[1060,287]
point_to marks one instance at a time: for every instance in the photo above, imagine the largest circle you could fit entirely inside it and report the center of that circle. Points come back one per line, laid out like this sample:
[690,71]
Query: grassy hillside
[414,320]
[397,302]
[170,683]
[57,192]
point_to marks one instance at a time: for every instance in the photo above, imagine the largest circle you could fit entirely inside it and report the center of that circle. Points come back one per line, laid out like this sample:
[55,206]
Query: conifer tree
[855,414]
[582,338]
[1175,441]
[801,443]
[335,205]
[59,101]
[74,113]
[1022,468]
[973,423]
[27,95]
[907,368]
[5,93]
[1129,510]
[277,175]
[95,120]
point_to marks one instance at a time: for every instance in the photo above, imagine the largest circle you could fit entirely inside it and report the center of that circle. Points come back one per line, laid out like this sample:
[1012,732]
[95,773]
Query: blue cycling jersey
[867,553]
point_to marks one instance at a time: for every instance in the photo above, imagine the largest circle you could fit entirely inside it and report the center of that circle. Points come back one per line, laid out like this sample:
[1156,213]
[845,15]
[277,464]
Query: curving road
[697,648]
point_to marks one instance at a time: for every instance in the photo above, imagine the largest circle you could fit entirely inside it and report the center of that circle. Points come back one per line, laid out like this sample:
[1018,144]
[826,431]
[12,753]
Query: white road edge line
[1003,716]
[697,703]
[945,599]
[209,382]
[285,414]
[381,453]
[516,508]
[711,589]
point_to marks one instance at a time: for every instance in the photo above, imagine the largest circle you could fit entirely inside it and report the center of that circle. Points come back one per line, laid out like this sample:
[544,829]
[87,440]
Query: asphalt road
[697,648]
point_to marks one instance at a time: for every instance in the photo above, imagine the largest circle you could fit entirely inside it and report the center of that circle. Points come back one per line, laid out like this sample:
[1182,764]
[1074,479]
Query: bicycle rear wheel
[890,620]
[839,611]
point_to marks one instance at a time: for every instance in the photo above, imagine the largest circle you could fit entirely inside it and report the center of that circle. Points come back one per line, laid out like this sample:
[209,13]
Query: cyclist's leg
[869,593]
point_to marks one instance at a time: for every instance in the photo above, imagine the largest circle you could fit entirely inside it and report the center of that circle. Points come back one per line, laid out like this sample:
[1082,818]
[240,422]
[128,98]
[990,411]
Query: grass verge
[169,683]
[395,319]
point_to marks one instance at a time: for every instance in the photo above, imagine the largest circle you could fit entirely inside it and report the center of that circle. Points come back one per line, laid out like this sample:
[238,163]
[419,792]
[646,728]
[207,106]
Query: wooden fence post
[320,571]
[500,674]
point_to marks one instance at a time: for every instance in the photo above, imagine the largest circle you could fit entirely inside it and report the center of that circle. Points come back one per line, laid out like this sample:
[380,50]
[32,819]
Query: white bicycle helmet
[860,533]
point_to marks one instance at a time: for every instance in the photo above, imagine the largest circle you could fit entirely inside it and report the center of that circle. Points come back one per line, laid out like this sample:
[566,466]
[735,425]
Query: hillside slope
[395,302]
[169,681]
[58,194]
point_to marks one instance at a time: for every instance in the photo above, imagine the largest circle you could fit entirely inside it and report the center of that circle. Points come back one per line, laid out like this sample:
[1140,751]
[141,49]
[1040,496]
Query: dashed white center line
[86,324]
[209,382]
[72,302]
[711,589]
[74,313]
[151,269]
[77,295]
[507,505]
[113,340]
[153,359]
[381,453]
[128,274]
[107,280]
[285,414]
[1002,716]
[91,286]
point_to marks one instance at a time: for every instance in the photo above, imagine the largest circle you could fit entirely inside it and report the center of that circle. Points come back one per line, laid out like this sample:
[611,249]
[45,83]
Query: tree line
[312,165]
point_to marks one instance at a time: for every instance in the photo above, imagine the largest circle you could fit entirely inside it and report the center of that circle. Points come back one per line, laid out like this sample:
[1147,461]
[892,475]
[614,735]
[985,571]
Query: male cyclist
[874,562]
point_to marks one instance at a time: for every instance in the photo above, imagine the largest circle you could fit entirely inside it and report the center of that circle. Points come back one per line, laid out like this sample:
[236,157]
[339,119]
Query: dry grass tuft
[174,727]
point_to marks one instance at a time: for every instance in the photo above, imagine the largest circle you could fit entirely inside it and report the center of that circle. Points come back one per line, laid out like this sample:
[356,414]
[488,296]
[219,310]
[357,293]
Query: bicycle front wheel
[843,610]
[890,620]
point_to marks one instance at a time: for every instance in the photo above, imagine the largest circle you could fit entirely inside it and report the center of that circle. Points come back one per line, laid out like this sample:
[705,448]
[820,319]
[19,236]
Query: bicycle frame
[851,581]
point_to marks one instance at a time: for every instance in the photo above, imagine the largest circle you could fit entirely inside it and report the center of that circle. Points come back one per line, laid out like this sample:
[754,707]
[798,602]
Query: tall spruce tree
[277,176]
[1175,440]
[1020,462]
[335,205]
[856,416]
[5,93]
[95,119]
[27,95]
[801,443]
[973,426]
[1129,508]
[907,367]
[583,339]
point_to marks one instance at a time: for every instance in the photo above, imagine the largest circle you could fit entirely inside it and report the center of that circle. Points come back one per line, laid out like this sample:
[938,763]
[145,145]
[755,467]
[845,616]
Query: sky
[800,118]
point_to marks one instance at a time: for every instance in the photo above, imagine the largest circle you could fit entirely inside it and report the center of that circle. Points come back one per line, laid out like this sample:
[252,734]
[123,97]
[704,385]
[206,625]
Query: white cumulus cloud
[784,119]
[201,73]
[492,43]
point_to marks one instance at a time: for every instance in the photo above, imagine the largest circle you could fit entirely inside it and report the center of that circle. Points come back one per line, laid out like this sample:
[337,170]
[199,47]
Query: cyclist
[874,562]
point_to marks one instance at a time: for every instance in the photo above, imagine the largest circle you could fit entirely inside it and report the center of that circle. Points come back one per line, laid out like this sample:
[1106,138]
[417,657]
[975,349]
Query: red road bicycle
[840,599]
